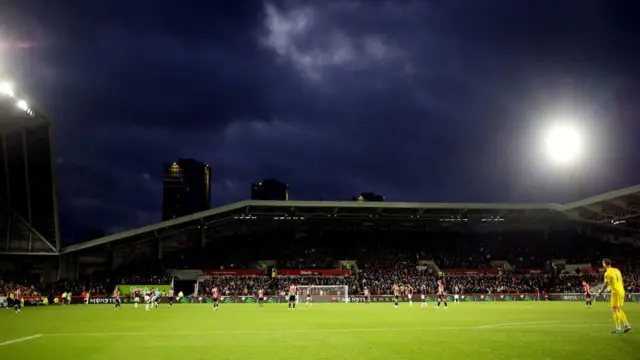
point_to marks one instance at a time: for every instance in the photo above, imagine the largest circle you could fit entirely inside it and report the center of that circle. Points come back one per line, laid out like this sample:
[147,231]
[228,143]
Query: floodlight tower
[563,144]
[28,195]
[565,147]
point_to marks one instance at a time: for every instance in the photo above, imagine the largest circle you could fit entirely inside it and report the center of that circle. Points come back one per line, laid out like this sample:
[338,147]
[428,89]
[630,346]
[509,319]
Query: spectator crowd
[380,261]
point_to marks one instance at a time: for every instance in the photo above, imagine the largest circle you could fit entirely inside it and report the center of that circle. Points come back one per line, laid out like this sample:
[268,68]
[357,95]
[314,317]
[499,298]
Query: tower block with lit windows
[29,222]
[186,188]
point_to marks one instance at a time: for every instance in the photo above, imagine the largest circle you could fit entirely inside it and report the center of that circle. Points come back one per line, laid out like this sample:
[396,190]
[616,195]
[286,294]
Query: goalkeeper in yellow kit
[613,279]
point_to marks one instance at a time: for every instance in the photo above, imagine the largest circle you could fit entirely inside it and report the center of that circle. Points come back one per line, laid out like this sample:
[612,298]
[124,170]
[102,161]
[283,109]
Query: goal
[325,293]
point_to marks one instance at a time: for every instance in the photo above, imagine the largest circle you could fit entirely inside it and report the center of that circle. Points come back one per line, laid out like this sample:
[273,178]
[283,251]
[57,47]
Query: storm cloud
[415,100]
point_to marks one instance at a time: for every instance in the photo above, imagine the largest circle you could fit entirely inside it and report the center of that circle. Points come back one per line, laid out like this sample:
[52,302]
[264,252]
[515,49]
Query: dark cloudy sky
[415,100]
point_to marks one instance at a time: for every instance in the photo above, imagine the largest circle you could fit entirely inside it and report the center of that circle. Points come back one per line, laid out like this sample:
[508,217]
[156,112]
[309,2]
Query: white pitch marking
[518,324]
[551,327]
[20,340]
[241,332]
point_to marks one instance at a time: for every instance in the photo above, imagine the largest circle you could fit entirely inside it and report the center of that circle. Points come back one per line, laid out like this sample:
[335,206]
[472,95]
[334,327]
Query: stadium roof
[619,208]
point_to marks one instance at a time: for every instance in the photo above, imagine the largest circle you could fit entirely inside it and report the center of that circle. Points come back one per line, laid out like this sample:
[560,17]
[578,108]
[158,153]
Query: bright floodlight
[22,105]
[6,89]
[563,144]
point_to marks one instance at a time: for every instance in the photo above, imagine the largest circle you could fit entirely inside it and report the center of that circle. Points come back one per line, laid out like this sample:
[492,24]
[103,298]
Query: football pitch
[498,330]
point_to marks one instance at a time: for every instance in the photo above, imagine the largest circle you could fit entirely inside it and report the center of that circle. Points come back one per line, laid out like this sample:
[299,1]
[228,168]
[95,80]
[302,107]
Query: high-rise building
[270,189]
[187,188]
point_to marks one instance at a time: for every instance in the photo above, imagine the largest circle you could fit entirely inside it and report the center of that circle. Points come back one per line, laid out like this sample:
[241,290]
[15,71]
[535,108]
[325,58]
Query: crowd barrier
[630,297]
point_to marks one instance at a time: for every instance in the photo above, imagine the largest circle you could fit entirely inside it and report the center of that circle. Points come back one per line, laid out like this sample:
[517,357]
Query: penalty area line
[20,340]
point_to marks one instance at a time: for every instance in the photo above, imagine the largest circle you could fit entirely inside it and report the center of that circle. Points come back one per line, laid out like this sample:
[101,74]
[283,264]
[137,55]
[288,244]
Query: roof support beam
[36,233]
[620,206]
[624,217]
[27,253]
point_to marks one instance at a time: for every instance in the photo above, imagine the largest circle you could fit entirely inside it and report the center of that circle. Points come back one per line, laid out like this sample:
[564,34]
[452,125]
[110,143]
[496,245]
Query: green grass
[499,330]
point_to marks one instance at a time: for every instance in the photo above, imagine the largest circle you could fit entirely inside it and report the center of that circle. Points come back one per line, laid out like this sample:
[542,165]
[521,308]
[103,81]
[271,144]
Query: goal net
[324,293]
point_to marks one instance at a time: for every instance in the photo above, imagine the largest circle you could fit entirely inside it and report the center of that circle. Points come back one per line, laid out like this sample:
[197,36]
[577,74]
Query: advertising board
[356,299]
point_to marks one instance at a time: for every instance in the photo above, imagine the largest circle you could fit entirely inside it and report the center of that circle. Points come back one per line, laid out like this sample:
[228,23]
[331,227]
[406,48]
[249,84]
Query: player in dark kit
[147,300]
[441,295]
[410,294]
[136,298]
[293,290]
[587,293]
[423,296]
[307,301]
[215,294]
[116,297]
[456,295]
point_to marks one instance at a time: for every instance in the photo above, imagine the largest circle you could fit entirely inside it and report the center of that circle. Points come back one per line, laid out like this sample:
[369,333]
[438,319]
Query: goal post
[324,293]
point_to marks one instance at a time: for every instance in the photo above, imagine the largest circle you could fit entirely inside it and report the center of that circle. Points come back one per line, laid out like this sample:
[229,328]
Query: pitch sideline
[9,342]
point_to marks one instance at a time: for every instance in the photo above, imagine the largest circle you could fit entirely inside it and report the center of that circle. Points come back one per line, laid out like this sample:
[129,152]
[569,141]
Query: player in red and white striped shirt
[171,295]
[395,290]
[215,294]
[441,295]
[260,296]
[587,293]
[367,295]
[17,300]
[116,296]
[291,292]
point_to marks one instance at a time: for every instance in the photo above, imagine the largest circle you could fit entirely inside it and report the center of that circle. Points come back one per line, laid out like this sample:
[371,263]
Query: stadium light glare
[22,105]
[6,89]
[563,144]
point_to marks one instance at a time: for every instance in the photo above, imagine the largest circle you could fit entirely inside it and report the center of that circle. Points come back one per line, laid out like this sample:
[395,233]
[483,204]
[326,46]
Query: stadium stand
[480,248]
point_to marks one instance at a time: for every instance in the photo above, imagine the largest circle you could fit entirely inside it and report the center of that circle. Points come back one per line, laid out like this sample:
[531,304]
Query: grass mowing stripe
[20,340]
[249,332]
[327,331]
